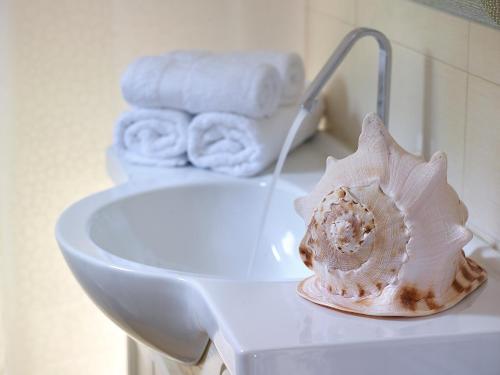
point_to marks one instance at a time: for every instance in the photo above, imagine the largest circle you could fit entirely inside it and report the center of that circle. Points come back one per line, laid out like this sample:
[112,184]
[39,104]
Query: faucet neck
[384,70]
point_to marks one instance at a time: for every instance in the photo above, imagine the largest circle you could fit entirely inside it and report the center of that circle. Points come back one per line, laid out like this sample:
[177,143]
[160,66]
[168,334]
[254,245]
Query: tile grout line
[393,41]
[413,49]
[466,119]
[399,44]
[483,79]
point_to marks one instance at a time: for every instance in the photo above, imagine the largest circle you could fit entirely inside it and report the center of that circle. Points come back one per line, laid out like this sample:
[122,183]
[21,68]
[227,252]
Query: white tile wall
[482,156]
[484,54]
[445,90]
[429,32]
[444,110]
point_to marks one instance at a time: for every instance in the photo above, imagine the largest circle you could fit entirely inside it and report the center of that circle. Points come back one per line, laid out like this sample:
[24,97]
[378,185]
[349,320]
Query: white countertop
[266,328]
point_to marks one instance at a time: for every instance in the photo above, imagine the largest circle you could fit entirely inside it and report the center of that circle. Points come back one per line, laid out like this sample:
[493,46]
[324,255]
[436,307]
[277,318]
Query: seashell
[385,232]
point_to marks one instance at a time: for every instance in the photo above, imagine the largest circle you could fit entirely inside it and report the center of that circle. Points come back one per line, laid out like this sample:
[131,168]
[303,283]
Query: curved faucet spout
[384,70]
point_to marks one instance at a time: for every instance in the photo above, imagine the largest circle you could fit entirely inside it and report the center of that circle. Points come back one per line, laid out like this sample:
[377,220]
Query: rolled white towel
[291,70]
[241,146]
[197,81]
[156,137]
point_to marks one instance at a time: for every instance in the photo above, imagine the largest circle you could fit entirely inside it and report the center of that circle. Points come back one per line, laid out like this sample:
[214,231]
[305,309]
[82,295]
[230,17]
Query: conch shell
[385,232]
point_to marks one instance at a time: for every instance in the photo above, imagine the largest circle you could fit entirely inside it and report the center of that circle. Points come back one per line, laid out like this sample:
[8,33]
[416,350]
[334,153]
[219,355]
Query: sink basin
[143,253]
[165,255]
[205,229]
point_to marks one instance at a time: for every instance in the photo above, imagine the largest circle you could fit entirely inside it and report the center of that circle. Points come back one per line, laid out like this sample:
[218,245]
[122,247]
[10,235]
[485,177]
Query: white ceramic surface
[205,229]
[163,255]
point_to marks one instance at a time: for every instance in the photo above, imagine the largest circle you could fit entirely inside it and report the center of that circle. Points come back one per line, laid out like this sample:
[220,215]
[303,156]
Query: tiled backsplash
[445,89]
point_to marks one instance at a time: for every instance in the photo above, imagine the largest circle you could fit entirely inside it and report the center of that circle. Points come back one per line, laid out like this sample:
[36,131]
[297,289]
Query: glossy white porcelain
[140,251]
[164,255]
[205,229]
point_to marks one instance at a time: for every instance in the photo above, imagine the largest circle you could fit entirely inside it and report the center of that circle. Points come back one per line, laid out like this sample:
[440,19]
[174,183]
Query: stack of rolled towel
[229,112]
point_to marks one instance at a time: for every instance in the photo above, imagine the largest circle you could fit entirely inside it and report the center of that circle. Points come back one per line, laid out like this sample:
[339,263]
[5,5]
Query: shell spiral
[385,232]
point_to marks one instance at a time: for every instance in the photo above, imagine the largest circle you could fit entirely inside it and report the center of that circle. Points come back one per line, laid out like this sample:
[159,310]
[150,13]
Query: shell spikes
[385,232]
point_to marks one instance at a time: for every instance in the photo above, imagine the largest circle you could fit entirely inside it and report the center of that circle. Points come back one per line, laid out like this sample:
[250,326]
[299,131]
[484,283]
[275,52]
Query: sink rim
[73,227]
[291,326]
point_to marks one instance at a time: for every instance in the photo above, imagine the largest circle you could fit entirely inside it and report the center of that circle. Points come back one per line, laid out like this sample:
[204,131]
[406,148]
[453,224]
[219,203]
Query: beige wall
[63,65]
[59,85]
[445,89]
[4,144]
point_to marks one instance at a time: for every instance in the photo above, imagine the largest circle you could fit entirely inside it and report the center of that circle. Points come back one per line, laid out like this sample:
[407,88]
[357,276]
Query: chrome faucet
[384,70]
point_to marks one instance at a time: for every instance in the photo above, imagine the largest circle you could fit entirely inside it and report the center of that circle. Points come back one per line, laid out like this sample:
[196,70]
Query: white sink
[203,229]
[165,256]
[141,252]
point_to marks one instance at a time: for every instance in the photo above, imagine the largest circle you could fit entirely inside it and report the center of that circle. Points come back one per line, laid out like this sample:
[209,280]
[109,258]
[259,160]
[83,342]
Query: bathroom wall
[3,163]
[59,92]
[445,89]
[61,61]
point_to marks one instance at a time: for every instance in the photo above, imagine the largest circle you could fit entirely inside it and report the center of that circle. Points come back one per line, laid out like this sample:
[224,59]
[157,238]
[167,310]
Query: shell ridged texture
[380,245]
[385,232]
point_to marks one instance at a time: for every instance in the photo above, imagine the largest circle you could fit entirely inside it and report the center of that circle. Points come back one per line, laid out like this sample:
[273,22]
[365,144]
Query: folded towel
[290,68]
[197,81]
[153,137]
[241,146]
